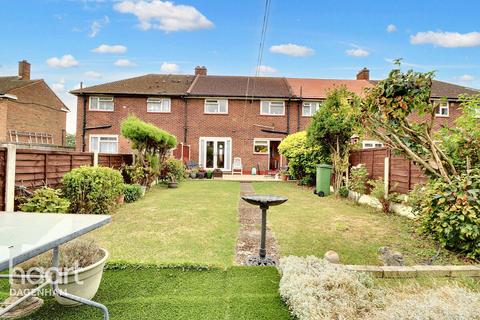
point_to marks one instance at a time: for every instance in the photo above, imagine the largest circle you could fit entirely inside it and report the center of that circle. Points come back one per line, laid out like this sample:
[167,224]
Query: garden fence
[34,168]
[399,174]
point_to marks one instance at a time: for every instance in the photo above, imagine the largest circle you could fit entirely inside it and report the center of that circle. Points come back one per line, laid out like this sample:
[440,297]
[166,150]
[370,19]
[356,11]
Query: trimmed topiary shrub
[92,190]
[451,212]
[132,192]
[343,192]
[46,200]
[358,180]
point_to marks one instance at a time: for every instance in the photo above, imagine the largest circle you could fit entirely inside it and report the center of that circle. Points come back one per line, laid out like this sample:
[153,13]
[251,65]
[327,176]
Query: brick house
[219,117]
[30,112]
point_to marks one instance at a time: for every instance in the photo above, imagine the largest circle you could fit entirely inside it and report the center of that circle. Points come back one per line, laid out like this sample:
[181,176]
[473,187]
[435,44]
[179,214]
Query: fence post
[95,159]
[10,177]
[386,175]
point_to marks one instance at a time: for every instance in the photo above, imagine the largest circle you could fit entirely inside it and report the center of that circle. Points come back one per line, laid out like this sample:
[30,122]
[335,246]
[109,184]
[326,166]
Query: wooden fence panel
[36,168]
[403,173]
[3,161]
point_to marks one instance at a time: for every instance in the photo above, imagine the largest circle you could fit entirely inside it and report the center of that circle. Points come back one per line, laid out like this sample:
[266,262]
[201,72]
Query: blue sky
[97,41]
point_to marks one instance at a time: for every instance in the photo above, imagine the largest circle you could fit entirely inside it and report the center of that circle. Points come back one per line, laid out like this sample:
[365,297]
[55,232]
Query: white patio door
[215,153]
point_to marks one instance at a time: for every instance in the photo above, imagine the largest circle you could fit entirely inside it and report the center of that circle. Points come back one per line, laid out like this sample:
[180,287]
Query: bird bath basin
[264,202]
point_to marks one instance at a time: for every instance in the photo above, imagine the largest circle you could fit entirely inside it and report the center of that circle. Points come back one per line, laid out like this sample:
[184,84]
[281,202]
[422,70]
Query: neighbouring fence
[182,152]
[401,174]
[35,168]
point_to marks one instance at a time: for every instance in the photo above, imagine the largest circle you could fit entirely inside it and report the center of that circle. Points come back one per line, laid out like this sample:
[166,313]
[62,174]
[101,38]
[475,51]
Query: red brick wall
[454,112]
[123,106]
[43,116]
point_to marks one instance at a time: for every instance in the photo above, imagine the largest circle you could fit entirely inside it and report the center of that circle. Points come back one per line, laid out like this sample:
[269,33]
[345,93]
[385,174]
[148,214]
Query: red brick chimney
[24,70]
[363,74]
[200,70]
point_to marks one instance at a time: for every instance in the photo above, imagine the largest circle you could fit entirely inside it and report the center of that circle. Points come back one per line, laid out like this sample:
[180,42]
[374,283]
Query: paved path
[248,239]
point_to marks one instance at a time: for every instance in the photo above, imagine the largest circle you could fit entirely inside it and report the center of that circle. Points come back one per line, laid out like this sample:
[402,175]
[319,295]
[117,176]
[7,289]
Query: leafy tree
[332,128]
[152,145]
[70,140]
[302,157]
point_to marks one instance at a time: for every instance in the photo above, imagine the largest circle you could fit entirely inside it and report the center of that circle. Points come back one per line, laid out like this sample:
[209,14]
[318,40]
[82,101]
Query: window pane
[222,106]
[94,144]
[260,146]
[166,105]
[276,109]
[154,105]
[307,109]
[93,103]
[211,106]
[265,107]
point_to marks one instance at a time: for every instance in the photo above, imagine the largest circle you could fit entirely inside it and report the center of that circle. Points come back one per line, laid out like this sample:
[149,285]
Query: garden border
[392,272]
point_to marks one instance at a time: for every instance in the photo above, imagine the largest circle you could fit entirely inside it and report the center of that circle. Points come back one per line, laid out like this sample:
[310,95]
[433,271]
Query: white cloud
[447,39]
[66,61]
[124,63]
[59,87]
[265,70]
[105,48]
[293,50]
[391,28]
[357,52]
[170,67]
[93,74]
[465,78]
[97,25]
[164,15]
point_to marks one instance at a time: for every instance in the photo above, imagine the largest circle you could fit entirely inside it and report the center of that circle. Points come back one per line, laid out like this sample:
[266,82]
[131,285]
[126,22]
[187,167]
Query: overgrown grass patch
[309,225]
[194,224]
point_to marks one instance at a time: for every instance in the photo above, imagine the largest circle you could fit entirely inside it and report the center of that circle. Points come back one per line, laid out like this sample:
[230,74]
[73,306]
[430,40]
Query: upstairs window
[272,108]
[309,108]
[370,144]
[101,103]
[216,106]
[104,143]
[441,108]
[158,105]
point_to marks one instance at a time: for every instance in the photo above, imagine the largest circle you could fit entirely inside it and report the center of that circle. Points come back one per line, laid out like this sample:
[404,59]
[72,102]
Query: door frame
[203,161]
[269,150]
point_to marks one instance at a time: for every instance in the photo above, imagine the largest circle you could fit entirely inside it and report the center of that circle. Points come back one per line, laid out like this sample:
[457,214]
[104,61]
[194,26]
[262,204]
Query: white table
[26,235]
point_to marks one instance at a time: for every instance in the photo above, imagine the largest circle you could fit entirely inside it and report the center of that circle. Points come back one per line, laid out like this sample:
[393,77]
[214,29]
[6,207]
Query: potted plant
[284,175]
[172,180]
[201,174]
[80,268]
[209,174]
[193,173]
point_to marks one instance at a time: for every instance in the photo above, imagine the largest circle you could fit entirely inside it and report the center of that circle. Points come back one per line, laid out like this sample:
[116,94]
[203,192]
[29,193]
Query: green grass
[309,225]
[194,224]
[235,293]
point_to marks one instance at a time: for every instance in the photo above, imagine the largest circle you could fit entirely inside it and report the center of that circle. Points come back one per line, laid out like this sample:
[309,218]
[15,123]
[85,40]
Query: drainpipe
[185,120]
[299,107]
[288,116]
[84,120]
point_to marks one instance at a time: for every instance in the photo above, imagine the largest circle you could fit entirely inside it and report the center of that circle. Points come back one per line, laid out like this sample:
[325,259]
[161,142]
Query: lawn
[194,224]
[235,293]
[309,225]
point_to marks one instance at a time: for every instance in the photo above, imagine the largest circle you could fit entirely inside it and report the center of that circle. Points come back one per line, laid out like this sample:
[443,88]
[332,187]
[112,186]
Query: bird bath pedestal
[264,202]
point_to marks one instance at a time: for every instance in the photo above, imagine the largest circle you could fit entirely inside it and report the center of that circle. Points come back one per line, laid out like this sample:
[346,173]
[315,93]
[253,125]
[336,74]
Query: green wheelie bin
[324,174]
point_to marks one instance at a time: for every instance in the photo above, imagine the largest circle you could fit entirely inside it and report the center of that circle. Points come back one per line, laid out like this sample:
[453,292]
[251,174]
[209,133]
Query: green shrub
[358,180]
[173,170]
[132,192]
[92,190]
[451,212]
[378,192]
[302,158]
[46,200]
[343,192]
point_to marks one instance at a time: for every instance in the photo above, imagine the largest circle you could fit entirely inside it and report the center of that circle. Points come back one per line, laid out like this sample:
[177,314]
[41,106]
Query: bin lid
[323,165]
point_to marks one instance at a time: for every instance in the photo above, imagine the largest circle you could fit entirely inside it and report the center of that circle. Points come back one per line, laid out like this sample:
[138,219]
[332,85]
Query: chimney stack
[200,71]
[24,70]
[363,74]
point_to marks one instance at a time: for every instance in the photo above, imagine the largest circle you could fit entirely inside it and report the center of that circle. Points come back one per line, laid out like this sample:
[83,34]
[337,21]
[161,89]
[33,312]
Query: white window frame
[162,102]
[312,104]
[99,136]
[105,99]
[270,108]
[442,104]
[202,156]
[256,140]
[218,106]
[373,144]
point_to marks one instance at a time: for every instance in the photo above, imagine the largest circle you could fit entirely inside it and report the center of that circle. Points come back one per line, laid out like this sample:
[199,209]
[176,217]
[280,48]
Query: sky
[98,41]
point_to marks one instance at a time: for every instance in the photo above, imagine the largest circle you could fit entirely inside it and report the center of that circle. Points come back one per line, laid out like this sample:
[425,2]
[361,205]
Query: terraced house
[221,117]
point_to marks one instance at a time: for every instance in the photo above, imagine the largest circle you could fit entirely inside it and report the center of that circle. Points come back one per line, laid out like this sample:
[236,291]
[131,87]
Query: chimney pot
[24,70]
[363,74]
[200,70]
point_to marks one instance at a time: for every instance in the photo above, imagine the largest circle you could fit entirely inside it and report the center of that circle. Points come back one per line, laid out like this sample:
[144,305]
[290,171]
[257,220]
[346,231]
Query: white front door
[215,153]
